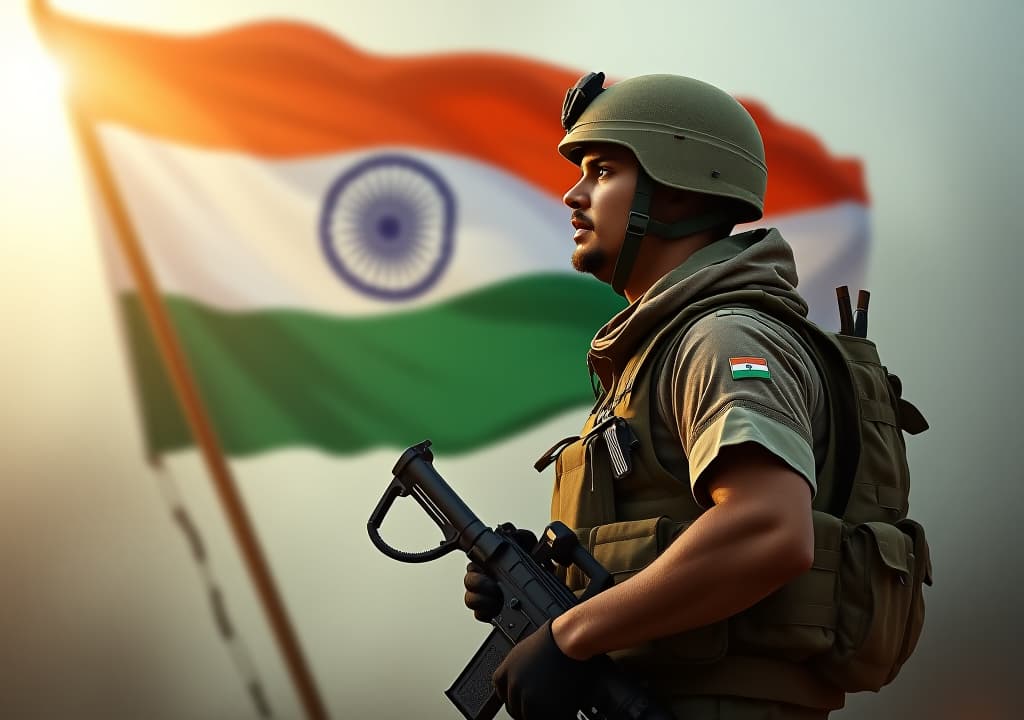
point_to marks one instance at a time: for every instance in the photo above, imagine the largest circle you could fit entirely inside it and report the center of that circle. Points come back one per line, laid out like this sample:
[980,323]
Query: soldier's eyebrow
[597,159]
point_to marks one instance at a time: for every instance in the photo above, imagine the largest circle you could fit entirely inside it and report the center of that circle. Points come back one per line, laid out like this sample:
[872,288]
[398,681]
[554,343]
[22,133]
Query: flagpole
[190,401]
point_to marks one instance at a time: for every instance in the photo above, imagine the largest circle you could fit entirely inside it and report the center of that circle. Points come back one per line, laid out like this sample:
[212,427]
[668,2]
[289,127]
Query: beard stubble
[588,260]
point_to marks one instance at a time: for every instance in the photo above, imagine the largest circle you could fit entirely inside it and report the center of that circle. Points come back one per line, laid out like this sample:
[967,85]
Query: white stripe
[749,366]
[240,232]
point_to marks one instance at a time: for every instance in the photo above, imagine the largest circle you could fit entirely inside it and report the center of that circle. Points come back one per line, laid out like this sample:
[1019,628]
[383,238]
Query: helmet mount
[579,96]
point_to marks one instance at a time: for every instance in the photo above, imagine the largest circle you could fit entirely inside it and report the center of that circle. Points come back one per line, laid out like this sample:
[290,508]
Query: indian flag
[749,367]
[358,252]
[362,251]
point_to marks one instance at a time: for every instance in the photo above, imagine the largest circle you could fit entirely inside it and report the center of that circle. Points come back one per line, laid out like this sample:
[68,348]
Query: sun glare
[35,117]
[30,75]
[36,144]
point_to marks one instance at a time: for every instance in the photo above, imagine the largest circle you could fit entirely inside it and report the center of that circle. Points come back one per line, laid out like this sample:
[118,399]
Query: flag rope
[187,393]
[239,649]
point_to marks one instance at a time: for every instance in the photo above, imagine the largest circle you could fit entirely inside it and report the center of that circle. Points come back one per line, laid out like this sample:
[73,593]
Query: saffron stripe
[751,360]
[283,89]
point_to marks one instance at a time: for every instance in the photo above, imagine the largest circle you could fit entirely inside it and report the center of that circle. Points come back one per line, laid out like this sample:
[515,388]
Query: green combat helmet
[685,134]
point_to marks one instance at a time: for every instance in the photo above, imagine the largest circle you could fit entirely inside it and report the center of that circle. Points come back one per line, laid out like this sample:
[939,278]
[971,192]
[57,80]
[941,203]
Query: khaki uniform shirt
[710,406]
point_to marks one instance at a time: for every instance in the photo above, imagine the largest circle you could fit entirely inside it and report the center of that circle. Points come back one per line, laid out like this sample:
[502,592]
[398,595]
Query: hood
[754,260]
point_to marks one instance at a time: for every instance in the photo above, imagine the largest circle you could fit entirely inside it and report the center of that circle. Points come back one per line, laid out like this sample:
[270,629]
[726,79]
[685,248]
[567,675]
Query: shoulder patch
[749,367]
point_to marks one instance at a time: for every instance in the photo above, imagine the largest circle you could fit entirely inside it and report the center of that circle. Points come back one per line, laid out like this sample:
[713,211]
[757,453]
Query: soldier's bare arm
[756,537]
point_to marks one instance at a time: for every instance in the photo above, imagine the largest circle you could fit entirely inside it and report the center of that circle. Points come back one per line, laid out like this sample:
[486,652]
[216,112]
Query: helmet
[685,134]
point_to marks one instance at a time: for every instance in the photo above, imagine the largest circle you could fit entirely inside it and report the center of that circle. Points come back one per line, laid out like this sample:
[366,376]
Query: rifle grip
[473,691]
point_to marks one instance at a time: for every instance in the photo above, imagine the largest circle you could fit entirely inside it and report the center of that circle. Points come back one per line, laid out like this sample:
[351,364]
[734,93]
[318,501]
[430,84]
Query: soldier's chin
[589,260]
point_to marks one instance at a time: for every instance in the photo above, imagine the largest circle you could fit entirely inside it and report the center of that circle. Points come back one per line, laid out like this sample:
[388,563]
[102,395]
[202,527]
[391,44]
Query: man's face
[600,202]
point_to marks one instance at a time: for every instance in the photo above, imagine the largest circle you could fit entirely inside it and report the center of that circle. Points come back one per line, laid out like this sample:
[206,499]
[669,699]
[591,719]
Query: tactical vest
[627,506]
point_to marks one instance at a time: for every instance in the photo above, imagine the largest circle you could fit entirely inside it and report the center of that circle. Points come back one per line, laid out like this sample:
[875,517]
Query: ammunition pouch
[881,613]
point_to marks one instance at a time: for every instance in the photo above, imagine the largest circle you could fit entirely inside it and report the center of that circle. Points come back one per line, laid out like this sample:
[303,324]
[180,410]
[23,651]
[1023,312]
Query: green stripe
[739,374]
[464,373]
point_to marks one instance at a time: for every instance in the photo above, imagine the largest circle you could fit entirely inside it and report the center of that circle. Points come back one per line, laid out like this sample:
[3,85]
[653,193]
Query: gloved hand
[483,596]
[537,681]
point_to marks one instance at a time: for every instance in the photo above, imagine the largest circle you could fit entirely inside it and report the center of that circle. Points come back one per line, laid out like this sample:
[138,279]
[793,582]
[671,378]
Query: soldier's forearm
[734,555]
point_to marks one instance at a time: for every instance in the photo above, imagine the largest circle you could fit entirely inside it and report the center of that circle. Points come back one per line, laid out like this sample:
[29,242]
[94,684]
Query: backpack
[883,556]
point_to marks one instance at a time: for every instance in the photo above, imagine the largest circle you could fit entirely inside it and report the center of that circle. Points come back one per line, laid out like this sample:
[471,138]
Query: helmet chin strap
[640,224]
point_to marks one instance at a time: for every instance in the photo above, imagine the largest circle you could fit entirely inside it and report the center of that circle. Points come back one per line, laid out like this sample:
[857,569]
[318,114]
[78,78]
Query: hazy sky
[928,94]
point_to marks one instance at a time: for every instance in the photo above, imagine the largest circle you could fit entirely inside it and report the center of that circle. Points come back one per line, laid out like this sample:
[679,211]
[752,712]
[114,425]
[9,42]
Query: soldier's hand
[483,596]
[537,681]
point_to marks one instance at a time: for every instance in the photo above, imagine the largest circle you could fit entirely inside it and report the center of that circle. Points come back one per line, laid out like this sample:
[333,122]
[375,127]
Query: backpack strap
[844,441]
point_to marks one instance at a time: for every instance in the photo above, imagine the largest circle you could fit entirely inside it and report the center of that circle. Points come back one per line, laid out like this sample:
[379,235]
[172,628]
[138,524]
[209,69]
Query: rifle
[531,591]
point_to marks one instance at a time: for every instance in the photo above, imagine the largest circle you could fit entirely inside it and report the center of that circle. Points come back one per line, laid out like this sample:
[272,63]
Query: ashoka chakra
[387,226]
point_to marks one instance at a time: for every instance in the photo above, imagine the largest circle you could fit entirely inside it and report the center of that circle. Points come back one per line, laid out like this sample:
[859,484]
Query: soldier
[694,476]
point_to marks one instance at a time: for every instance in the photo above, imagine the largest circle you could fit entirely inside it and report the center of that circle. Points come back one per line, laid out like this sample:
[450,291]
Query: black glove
[537,681]
[483,596]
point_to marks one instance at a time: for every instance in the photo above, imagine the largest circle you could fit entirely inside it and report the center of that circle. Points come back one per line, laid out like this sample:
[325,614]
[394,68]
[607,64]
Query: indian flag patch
[749,367]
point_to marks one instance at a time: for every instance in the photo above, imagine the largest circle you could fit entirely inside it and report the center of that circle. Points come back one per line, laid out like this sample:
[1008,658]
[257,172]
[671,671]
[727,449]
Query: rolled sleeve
[738,425]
